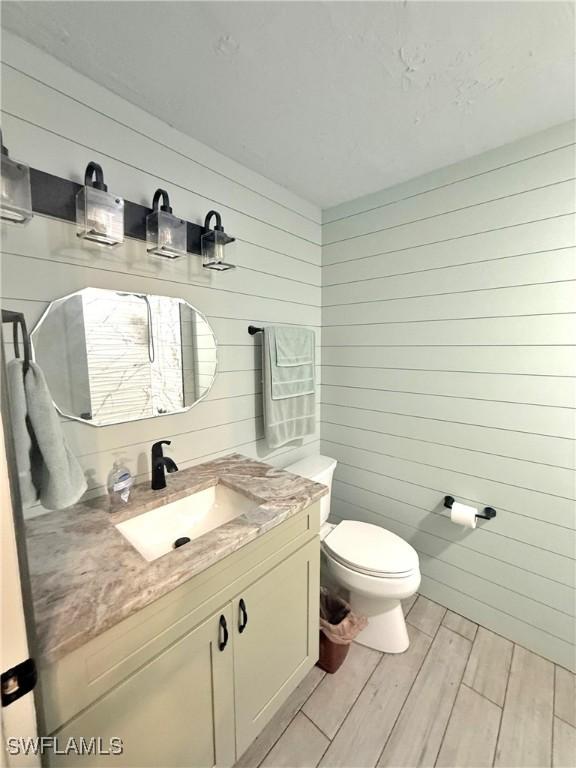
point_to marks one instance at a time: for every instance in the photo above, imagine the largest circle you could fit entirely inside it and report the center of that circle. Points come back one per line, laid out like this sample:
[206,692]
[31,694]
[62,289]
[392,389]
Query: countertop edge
[68,601]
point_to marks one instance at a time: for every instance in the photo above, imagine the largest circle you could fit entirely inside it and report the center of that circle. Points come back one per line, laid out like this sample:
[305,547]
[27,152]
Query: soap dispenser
[120,482]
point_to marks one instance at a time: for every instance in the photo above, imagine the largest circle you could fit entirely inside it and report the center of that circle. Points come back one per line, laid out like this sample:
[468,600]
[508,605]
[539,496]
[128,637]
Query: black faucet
[159,463]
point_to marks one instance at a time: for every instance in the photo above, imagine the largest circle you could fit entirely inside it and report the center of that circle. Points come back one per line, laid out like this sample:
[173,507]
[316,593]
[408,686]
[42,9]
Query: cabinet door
[276,639]
[177,710]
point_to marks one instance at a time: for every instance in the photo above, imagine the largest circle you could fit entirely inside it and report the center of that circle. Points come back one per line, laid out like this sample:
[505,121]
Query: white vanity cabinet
[194,677]
[279,642]
[177,710]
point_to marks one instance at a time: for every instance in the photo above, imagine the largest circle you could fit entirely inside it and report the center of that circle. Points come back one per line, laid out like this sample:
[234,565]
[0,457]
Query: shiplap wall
[57,121]
[447,366]
[446,354]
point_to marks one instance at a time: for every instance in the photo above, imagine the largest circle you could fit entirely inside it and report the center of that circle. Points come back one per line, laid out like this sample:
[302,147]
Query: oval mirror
[112,356]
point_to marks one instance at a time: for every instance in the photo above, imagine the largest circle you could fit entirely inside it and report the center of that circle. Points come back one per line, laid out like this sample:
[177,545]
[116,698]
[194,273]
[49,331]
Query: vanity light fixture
[214,241]
[15,193]
[166,234]
[99,214]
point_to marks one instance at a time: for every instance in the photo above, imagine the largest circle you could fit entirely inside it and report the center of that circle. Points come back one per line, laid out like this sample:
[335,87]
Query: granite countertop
[86,577]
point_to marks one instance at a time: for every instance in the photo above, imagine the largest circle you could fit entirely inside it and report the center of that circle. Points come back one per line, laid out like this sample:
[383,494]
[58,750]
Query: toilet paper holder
[487,514]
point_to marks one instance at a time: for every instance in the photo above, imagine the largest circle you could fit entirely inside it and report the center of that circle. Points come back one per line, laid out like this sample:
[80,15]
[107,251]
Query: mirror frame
[136,418]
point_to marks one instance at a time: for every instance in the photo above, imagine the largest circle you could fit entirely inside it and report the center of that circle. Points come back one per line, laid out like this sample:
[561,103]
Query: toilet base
[386,630]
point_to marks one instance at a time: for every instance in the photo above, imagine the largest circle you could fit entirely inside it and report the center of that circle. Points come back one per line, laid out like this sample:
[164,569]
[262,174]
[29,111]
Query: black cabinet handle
[223,632]
[243,619]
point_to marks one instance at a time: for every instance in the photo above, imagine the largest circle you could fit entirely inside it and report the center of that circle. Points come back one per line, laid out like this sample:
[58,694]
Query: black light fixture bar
[56,197]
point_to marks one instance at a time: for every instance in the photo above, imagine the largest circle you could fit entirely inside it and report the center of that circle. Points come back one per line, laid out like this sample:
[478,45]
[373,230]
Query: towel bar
[253,330]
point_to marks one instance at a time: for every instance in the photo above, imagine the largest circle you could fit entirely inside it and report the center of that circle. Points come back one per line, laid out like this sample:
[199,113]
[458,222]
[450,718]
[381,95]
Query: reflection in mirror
[111,356]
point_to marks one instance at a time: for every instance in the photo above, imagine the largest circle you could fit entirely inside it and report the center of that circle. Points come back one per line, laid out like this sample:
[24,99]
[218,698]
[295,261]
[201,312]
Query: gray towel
[21,431]
[288,344]
[288,392]
[47,468]
[294,345]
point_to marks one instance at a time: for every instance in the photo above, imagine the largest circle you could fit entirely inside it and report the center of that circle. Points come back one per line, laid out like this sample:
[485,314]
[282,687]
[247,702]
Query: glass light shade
[215,245]
[15,194]
[100,216]
[166,235]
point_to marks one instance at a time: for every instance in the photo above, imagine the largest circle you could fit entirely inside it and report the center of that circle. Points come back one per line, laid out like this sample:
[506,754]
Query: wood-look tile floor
[460,697]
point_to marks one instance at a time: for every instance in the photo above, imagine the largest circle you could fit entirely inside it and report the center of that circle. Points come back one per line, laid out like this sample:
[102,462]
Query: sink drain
[181,541]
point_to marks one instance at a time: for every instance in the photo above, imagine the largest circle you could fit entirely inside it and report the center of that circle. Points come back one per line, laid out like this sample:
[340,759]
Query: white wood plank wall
[447,333]
[448,367]
[57,121]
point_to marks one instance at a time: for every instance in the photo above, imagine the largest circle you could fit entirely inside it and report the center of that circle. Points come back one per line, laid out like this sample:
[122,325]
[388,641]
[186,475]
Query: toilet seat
[368,572]
[371,550]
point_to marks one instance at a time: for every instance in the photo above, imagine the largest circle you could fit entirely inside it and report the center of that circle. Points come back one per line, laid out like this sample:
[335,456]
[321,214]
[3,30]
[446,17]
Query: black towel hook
[17,319]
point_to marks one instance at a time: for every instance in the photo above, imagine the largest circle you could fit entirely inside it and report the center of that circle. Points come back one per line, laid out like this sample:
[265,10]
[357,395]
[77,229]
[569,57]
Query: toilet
[377,567]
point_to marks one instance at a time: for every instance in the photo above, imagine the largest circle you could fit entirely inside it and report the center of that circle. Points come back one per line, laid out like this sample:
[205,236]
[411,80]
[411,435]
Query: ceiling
[332,100]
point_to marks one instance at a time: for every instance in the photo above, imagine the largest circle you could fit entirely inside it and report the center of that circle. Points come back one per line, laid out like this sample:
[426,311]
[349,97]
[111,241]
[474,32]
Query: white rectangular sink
[153,533]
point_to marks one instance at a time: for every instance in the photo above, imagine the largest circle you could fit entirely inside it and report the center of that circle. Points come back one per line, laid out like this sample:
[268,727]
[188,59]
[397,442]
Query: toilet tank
[320,469]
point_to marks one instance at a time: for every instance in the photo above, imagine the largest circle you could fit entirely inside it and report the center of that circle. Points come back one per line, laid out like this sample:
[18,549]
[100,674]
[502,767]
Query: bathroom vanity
[184,656]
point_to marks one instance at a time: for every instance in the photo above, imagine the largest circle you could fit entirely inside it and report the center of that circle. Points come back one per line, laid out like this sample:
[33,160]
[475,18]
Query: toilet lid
[371,548]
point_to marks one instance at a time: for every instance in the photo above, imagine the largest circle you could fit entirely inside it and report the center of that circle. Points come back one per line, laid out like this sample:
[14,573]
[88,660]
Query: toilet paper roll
[463,514]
